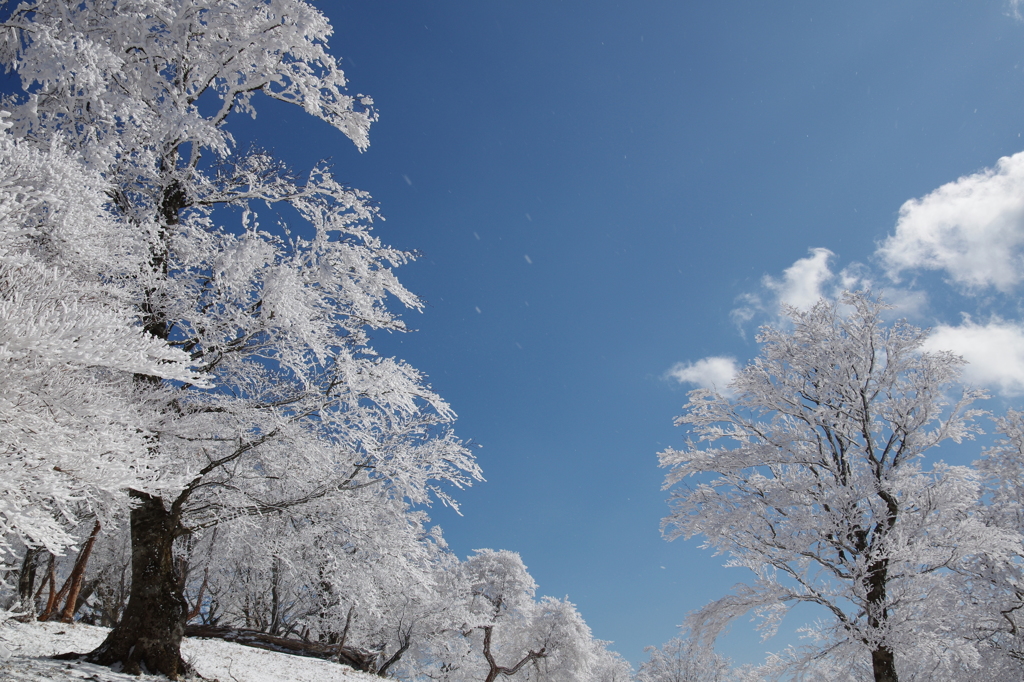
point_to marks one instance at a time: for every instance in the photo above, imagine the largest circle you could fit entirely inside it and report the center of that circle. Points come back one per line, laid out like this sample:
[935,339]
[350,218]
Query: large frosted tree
[812,478]
[302,409]
[71,436]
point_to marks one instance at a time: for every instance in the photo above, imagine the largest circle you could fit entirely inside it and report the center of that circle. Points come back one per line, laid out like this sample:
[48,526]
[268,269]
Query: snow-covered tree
[302,409]
[811,478]
[364,572]
[72,436]
[683,660]
[998,587]
[508,633]
[609,666]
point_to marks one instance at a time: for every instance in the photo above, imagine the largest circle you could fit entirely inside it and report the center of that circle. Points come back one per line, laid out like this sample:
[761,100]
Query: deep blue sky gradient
[592,185]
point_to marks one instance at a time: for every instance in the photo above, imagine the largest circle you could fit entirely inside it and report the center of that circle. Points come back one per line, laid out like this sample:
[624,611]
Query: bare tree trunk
[883,660]
[348,622]
[55,595]
[27,579]
[78,575]
[883,664]
[198,608]
[275,596]
[148,637]
[88,589]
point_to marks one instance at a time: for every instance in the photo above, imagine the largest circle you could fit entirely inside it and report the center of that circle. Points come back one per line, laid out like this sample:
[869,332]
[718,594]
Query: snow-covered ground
[25,648]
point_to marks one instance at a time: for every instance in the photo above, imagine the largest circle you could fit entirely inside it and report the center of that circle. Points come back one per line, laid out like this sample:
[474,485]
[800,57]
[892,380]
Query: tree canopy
[812,478]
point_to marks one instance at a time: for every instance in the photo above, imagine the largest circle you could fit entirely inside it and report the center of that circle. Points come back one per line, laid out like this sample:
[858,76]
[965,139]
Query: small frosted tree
[683,660]
[811,478]
[506,633]
[609,666]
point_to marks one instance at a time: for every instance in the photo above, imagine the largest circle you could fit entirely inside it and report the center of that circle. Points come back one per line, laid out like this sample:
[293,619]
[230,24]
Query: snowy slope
[24,648]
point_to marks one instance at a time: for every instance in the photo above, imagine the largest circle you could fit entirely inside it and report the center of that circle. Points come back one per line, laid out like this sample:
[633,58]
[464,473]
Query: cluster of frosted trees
[813,477]
[194,427]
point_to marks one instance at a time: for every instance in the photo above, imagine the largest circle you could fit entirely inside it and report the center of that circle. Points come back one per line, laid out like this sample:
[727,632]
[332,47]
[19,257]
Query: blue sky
[604,191]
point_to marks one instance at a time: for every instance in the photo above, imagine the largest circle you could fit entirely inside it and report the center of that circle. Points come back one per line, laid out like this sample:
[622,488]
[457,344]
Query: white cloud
[800,286]
[994,351]
[811,279]
[801,283]
[906,303]
[972,228]
[715,373]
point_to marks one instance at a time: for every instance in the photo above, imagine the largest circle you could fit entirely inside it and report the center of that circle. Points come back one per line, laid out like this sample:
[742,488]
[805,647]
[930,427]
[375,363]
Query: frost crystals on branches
[301,410]
[812,479]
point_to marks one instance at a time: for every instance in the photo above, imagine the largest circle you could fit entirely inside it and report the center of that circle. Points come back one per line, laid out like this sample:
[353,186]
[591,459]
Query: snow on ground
[25,648]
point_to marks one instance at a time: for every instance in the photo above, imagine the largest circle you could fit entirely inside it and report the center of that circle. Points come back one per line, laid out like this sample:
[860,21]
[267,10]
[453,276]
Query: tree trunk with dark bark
[494,669]
[883,664]
[27,579]
[148,636]
[883,659]
[405,641]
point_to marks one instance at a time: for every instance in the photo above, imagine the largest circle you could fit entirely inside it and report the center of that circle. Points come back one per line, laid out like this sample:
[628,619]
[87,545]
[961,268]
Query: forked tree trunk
[72,585]
[78,576]
[494,669]
[148,637]
[405,641]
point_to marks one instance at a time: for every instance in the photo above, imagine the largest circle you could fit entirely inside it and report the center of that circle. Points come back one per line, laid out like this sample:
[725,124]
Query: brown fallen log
[360,659]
